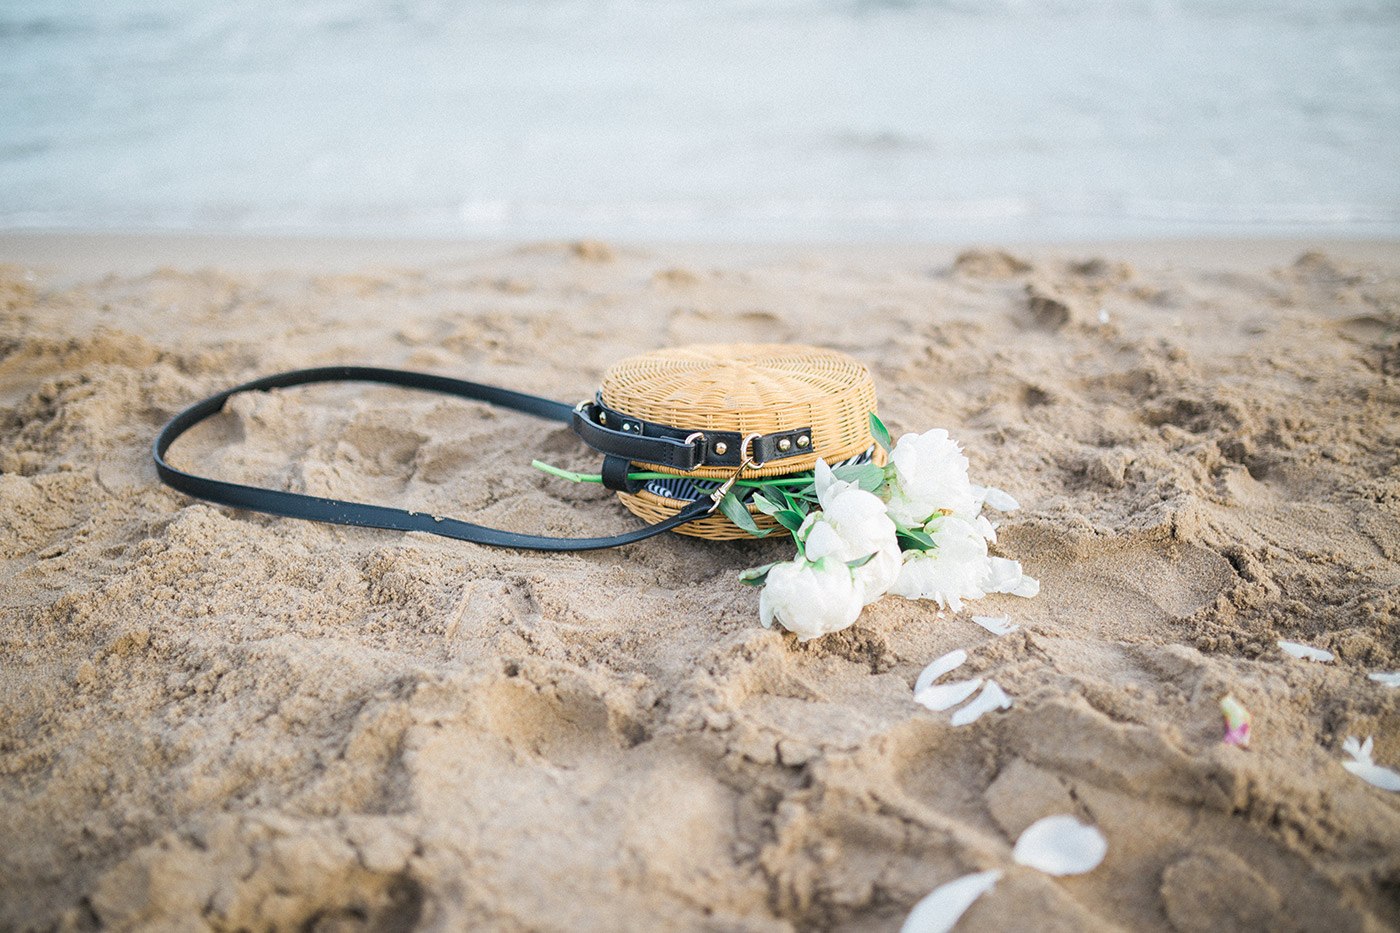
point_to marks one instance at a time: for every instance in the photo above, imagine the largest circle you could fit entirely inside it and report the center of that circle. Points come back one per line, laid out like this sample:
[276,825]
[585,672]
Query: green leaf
[765,505]
[791,519]
[757,576]
[734,510]
[860,561]
[789,502]
[880,432]
[913,539]
[868,476]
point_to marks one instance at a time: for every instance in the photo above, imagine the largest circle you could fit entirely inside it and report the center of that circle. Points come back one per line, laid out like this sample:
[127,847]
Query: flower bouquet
[912,528]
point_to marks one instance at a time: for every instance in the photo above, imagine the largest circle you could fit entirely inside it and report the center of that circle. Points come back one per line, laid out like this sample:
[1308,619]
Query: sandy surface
[220,720]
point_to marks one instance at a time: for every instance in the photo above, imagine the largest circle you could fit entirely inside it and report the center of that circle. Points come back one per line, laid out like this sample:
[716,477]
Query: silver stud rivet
[602,417]
[721,448]
[803,441]
[626,426]
[785,445]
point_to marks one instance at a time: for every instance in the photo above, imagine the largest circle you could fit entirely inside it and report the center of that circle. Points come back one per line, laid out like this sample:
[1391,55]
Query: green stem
[573,477]
[565,474]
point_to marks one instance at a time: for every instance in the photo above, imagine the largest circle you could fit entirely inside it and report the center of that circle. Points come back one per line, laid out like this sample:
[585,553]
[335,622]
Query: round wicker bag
[815,401]
[702,417]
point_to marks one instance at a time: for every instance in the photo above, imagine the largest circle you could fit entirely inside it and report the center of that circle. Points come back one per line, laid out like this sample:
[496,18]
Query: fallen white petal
[1366,769]
[999,499]
[1307,652]
[1391,679]
[939,697]
[997,625]
[949,662]
[1361,751]
[1028,588]
[1381,777]
[1002,575]
[992,697]
[1060,845]
[940,911]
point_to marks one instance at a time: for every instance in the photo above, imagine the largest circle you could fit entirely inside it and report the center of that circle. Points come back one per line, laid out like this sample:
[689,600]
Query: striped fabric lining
[685,489]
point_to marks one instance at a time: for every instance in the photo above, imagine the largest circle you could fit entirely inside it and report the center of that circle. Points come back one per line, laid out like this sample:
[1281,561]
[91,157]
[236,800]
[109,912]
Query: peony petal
[949,662]
[992,697]
[940,911]
[1029,587]
[822,541]
[1005,576]
[1307,652]
[1060,845]
[1237,722]
[1384,778]
[1356,749]
[997,625]
[943,696]
[1391,679]
[823,478]
[1366,769]
[1000,500]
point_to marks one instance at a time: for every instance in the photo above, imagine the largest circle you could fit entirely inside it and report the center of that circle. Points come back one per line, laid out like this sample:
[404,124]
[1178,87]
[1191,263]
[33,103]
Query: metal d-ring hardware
[694,436]
[746,450]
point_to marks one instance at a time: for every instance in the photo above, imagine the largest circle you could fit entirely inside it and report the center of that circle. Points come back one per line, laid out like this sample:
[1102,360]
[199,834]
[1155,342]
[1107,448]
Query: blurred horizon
[795,120]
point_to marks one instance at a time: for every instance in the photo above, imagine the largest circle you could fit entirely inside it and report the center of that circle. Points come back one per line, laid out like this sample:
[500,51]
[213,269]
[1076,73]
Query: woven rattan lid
[747,388]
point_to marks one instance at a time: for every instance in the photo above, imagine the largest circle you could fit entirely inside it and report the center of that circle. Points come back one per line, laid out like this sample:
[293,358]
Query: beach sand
[218,720]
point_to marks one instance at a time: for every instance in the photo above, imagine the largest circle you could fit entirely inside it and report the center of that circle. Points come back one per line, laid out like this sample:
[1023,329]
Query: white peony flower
[953,571]
[959,567]
[821,591]
[930,476]
[852,524]
[811,598]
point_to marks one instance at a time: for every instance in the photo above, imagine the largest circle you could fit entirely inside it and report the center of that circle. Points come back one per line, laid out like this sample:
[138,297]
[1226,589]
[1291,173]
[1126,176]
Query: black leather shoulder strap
[620,435]
[340,512]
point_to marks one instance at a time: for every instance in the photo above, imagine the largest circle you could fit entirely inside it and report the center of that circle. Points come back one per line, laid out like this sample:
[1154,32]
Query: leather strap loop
[615,475]
[634,446]
[613,432]
[341,512]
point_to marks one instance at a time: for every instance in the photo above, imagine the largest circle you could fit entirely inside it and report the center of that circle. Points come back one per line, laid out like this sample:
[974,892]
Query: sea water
[703,119]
